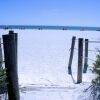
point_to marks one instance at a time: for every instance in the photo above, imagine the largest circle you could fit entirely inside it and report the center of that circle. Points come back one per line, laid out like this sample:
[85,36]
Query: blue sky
[50,12]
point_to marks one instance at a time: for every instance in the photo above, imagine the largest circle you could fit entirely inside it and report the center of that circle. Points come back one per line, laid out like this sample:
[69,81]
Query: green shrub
[95,88]
[96,70]
[3,82]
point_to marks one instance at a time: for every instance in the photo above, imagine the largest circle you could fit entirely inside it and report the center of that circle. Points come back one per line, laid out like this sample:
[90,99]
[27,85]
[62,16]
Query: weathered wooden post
[16,39]
[80,60]
[71,55]
[10,55]
[86,56]
[1,57]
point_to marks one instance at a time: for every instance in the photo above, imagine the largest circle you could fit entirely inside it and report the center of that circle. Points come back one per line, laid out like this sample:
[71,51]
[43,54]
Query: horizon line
[50,27]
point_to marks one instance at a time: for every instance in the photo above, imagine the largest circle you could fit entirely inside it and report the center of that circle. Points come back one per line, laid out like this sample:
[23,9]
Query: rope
[88,50]
[73,79]
[1,62]
[1,43]
[90,41]
[94,41]
[91,59]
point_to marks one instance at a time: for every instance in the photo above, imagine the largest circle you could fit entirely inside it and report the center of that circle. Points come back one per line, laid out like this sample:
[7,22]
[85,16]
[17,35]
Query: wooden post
[71,55]
[86,56]
[80,60]
[1,57]
[10,54]
[16,39]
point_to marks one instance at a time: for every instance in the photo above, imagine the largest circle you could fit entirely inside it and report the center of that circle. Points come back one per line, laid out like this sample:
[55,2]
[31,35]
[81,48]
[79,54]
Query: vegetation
[96,70]
[3,82]
[95,87]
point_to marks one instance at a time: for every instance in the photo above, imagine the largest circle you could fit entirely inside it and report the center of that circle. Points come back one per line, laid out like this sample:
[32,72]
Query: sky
[50,12]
